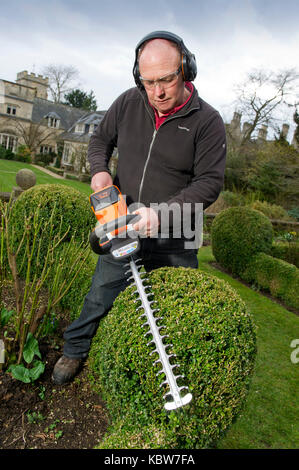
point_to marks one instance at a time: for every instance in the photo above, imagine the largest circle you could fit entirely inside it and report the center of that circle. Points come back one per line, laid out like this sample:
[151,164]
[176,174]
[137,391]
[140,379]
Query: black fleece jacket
[183,161]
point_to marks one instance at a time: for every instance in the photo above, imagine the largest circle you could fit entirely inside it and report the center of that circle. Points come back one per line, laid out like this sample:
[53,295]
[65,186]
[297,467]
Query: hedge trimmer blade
[160,348]
[114,220]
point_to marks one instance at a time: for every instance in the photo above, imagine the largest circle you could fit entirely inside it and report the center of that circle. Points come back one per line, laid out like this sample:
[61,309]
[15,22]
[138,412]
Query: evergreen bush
[237,234]
[72,214]
[213,336]
[273,211]
[287,251]
[73,300]
[276,276]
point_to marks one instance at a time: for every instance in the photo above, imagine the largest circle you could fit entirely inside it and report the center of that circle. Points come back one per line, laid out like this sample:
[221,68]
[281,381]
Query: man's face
[159,59]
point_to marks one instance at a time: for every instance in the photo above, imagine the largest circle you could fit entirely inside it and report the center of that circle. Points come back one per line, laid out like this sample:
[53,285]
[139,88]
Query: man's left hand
[148,225]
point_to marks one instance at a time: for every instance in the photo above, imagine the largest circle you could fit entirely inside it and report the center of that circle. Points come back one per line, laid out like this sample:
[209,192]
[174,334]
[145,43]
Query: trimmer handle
[101,231]
[98,240]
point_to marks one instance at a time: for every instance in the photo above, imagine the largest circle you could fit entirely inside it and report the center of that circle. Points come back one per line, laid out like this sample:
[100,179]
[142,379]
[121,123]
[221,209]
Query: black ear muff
[189,67]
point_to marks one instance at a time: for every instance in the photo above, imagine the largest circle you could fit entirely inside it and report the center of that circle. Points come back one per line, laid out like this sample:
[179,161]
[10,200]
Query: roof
[68,115]
[93,117]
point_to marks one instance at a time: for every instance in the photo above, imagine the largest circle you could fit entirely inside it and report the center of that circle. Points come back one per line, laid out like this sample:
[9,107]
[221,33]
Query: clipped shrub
[212,335]
[72,213]
[225,200]
[287,251]
[278,277]
[73,300]
[58,171]
[272,211]
[237,234]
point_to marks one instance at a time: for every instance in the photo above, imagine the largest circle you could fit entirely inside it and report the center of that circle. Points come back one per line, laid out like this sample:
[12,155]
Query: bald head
[159,52]
[160,58]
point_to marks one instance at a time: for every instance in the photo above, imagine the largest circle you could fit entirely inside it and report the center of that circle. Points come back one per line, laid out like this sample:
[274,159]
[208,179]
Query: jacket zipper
[152,143]
[146,163]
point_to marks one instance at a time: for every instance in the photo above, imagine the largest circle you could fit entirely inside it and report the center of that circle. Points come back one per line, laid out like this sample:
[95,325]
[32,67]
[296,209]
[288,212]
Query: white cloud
[228,38]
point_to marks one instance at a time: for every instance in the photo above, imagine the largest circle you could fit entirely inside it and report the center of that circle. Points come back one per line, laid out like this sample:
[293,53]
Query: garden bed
[42,415]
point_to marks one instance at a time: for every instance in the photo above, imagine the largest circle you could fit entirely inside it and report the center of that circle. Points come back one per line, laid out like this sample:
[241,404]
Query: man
[171,149]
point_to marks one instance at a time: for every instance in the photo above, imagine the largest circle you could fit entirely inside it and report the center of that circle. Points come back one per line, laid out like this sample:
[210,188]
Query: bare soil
[42,415]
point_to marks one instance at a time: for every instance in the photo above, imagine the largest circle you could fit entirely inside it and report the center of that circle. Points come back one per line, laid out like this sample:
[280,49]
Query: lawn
[270,418]
[9,169]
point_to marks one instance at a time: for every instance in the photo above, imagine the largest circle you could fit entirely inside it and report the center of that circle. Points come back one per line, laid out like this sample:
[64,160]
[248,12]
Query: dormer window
[11,110]
[53,122]
[80,128]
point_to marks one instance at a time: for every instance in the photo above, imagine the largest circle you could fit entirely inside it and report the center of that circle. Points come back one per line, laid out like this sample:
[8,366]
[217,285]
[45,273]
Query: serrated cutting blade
[160,347]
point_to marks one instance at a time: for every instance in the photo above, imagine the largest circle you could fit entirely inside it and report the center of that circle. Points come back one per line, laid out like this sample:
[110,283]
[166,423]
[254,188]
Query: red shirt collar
[161,119]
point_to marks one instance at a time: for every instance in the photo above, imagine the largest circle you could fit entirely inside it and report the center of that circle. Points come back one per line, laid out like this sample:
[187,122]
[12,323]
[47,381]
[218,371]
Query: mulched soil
[42,415]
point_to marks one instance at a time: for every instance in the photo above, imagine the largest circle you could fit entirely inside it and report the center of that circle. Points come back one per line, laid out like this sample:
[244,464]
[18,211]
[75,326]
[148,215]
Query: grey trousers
[109,280]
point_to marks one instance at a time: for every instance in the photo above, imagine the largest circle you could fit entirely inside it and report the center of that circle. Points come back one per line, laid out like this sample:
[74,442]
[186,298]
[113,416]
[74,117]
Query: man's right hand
[100,180]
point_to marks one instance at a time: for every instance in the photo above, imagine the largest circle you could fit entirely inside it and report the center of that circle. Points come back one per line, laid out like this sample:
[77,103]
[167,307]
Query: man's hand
[148,224]
[100,180]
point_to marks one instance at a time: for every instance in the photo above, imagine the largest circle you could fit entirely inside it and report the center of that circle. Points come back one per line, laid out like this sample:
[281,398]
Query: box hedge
[73,300]
[237,234]
[287,251]
[276,276]
[213,336]
[71,208]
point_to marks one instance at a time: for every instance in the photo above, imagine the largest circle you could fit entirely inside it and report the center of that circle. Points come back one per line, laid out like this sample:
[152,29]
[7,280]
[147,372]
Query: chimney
[285,130]
[262,135]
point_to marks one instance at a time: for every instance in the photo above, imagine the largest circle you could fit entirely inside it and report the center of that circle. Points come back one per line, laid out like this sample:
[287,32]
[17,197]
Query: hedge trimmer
[114,234]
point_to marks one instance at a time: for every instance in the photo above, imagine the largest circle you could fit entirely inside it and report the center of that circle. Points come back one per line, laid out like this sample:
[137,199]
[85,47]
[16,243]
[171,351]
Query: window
[9,142]
[11,110]
[53,122]
[80,128]
[67,152]
[45,149]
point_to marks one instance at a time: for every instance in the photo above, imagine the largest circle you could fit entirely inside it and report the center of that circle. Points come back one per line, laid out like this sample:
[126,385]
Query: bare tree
[33,134]
[262,95]
[60,78]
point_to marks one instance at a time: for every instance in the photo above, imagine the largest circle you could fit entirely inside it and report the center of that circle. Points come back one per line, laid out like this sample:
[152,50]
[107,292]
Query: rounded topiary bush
[237,234]
[212,335]
[70,211]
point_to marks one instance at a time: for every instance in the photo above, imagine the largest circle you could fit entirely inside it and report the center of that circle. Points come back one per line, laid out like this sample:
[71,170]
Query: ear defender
[189,67]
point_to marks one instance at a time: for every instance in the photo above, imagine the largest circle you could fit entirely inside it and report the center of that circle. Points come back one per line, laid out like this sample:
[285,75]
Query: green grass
[270,418]
[9,169]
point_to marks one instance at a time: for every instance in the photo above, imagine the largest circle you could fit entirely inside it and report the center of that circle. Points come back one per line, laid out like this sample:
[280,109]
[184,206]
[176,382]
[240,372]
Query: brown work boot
[65,370]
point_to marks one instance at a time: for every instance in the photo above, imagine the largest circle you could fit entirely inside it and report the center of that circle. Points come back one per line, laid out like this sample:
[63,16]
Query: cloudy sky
[98,37]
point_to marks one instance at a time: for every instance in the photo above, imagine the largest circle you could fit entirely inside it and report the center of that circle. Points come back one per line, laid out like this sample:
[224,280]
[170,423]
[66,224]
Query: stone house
[28,118]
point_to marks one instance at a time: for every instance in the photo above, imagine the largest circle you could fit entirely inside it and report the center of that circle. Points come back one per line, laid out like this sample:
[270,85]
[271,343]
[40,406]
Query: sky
[228,37]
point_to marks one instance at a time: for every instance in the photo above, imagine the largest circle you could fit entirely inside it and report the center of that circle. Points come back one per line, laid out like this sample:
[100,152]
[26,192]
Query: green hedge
[214,339]
[58,171]
[273,211]
[71,212]
[237,234]
[73,300]
[287,251]
[278,277]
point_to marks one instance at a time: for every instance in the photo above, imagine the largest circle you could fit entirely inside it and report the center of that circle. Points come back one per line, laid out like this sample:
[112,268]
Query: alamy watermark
[179,221]
[295,353]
